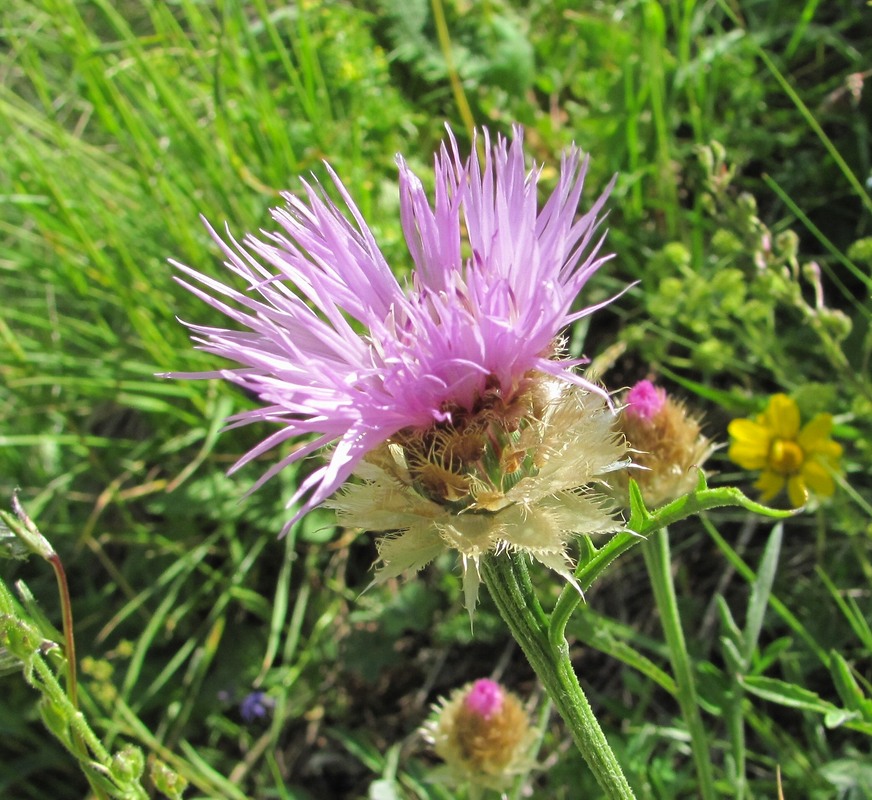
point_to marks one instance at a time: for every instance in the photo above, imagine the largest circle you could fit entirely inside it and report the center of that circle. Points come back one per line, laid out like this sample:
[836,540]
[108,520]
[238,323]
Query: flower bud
[483,734]
[128,764]
[667,442]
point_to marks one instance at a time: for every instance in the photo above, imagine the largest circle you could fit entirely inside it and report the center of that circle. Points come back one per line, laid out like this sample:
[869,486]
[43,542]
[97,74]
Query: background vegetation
[741,135]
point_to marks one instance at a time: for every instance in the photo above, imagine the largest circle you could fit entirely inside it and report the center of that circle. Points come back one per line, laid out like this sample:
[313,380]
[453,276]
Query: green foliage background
[741,136]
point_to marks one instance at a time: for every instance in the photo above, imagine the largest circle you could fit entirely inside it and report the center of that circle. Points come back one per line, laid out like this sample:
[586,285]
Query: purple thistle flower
[463,326]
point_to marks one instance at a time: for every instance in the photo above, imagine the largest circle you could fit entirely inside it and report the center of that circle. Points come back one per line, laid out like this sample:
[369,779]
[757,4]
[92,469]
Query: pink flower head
[645,400]
[667,442]
[335,347]
[483,734]
[485,698]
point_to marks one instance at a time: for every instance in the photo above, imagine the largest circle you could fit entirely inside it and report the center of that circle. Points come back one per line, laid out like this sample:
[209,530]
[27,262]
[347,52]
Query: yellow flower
[803,459]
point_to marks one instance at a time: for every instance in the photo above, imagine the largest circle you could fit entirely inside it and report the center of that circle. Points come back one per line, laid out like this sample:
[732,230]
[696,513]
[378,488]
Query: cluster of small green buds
[666,441]
[483,734]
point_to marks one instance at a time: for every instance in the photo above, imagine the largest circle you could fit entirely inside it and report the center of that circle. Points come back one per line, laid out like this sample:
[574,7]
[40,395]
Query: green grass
[122,122]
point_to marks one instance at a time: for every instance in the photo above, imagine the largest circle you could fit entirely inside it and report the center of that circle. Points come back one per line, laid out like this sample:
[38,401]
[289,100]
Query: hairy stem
[509,584]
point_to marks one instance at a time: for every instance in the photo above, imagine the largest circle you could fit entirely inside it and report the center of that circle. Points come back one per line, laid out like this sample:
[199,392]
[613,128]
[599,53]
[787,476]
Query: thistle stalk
[509,585]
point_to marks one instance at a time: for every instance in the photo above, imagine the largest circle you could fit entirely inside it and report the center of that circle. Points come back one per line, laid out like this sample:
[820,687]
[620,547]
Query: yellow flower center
[785,457]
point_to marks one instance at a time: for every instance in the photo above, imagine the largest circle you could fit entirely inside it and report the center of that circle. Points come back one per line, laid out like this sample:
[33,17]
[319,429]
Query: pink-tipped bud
[644,400]
[485,698]
[483,734]
[666,441]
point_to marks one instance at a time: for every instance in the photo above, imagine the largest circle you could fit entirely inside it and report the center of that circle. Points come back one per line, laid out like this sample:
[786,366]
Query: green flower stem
[69,639]
[598,560]
[659,564]
[27,532]
[509,584]
[544,643]
[94,759]
[444,37]
[644,523]
[84,737]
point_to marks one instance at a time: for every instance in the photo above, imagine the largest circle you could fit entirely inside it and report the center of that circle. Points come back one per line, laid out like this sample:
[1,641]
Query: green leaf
[639,514]
[384,790]
[837,718]
[771,653]
[849,773]
[358,745]
[733,656]
[56,720]
[787,694]
[9,663]
[760,592]
[848,688]
[643,522]
[35,615]
[792,696]
[11,545]
[27,531]
[616,640]
[852,613]
[728,622]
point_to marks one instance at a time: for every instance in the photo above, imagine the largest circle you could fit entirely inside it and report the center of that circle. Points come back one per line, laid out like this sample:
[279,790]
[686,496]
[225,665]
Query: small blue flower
[255,705]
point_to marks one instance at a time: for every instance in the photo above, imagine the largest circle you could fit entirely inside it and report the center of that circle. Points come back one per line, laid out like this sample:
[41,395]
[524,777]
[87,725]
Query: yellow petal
[782,416]
[747,430]
[816,430]
[814,438]
[748,455]
[818,427]
[828,451]
[797,491]
[769,484]
[818,479]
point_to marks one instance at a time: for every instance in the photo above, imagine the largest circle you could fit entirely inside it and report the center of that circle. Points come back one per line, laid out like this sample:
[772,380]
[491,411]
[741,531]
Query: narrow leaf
[760,592]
